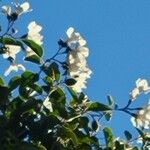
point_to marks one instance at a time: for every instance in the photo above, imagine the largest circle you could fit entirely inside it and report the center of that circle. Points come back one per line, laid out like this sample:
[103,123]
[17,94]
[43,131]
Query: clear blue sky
[118,35]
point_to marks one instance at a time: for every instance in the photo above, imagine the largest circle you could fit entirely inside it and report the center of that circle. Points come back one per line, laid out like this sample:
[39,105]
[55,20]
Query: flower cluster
[142,118]
[19,9]
[76,59]
[10,51]
[141,87]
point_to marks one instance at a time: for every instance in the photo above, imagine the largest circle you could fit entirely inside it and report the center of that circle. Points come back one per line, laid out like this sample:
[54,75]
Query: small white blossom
[83,50]
[141,86]
[14,67]
[23,8]
[11,51]
[74,39]
[76,58]
[34,33]
[19,9]
[6,10]
[142,118]
[134,93]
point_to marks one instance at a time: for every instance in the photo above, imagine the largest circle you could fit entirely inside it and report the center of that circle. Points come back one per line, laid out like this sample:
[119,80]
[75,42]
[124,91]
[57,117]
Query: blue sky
[118,35]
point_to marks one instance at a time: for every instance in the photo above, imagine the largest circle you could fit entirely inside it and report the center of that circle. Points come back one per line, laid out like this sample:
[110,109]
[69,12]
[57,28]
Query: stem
[132,109]
[128,104]
[126,111]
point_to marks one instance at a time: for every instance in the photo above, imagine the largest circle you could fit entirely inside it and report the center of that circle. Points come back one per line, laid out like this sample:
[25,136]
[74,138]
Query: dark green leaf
[14,82]
[10,41]
[128,135]
[108,115]
[29,146]
[108,136]
[1,81]
[36,88]
[48,80]
[96,106]
[119,146]
[28,78]
[70,82]
[4,94]
[70,134]
[34,46]
[73,93]
[27,106]
[135,148]
[95,125]
[110,100]
[53,71]
[33,58]
[58,96]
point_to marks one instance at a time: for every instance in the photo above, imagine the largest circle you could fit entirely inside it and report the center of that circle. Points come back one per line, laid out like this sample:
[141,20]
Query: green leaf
[53,71]
[4,94]
[119,146]
[128,135]
[29,146]
[96,106]
[83,122]
[34,46]
[95,125]
[108,115]
[70,134]
[70,82]
[28,78]
[37,88]
[33,58]
[73,93]
[108,136]
[48,80]
[58,96]
[110,100]
[135,148]
[11,41]
[27,106]
[1,81]
[14,82]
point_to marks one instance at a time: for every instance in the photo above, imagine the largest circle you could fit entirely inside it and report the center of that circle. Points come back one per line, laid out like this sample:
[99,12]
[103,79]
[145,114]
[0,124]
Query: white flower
[83,50]
[14,67]
[11,51]
[34,28]
[19,9]
[134,93]
[141,86]
[6,10]
[23,8]
[74,39]
[76,58]
[80,84]
[142,118]
[34,32]
[48,104]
